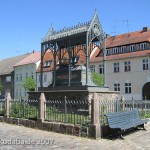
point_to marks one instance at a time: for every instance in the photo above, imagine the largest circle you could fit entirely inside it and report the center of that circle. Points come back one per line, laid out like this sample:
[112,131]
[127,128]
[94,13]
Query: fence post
[65,117]
[41,107]
[132,103]
[145,107]
[117,104]
[94,128]
[8,99]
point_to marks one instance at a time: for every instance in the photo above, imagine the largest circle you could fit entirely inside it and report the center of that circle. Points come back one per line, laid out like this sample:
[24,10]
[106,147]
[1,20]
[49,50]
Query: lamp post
[104,55]
[87,56]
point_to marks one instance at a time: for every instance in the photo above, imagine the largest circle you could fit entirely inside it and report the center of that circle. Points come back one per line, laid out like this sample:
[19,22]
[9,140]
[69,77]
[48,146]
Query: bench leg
[142,126]
[120,134]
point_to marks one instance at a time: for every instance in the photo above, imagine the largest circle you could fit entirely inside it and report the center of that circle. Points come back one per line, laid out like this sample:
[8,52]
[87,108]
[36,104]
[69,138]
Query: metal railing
[2,107]
[68,111]
[116,105]
[27,109]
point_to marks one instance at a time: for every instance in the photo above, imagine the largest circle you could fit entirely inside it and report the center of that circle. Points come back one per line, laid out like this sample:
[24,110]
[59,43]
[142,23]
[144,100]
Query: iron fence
[2,107]
[68,111]
[27,109]
[116,105]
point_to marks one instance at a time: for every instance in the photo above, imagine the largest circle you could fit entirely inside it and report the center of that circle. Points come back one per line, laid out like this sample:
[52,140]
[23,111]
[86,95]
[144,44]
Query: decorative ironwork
[87,34]
[2,107]
[70,111]
[27,109]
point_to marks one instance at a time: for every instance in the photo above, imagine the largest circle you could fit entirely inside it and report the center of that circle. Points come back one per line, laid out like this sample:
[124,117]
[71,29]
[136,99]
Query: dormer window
[122,49]
[132,48]
[64,61]
[76,59]
[115,50]
[142,46]
[48,63]
[108,52]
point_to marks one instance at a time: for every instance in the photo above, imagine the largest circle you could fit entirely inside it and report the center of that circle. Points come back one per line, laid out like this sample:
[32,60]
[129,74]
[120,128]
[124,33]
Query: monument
[72,80]
[68,71]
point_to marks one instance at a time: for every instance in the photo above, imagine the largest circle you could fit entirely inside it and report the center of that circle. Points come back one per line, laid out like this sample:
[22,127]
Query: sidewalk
[14,137]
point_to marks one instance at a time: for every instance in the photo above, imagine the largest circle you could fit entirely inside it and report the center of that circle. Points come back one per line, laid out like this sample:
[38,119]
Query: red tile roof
[122,40]
[141,53]
[128,38]
[32,58]
[49,56]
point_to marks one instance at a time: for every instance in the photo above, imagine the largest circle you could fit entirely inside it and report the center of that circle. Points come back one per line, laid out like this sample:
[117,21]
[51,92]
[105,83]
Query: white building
[48,66]
[24,69]
[127,64]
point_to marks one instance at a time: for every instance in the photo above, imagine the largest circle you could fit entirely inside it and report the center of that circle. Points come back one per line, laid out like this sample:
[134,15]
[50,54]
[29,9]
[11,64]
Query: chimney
[145,29]
[107,36]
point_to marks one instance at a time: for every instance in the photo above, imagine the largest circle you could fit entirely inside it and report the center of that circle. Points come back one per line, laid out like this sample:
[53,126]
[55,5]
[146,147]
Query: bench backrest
[122,117]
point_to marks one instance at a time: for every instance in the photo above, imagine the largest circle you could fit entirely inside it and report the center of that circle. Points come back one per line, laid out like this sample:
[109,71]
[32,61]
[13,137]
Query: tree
[29,84]
[98,79]
[1,86]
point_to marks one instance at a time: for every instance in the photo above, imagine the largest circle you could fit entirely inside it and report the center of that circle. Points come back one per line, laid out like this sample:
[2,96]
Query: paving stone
[138,140]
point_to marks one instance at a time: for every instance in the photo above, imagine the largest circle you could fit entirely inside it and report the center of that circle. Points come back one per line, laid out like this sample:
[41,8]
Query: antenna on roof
[114,30]
[127,23]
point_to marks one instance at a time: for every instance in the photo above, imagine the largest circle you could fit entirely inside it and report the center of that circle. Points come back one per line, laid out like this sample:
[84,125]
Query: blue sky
[24,22]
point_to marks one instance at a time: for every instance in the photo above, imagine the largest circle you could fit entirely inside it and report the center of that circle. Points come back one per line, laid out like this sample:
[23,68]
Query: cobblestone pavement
[14,137]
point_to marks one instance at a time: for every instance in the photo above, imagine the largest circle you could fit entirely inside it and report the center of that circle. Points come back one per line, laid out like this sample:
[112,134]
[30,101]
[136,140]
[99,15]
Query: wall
[137,76]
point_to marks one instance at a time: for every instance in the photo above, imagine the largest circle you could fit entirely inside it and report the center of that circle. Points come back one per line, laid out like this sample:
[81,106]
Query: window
[145,64]
[142,46]
[8,79]
[17,92]
[20,92]
[116,87]
[45,78]
[92,68]
[101,68]
[39,78]
[48,63]
[132,48]
[127,66]
[32,75]
[17,78]
[116,67]
[108,52]
[115,50]
[127,88]
[122,49]
[21,77]
[26,75]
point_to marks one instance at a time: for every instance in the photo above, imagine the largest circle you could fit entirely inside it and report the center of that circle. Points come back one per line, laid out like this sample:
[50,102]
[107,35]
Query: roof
[143,53]
[123,40]
[79,51]
[77,30]
[30,59]
[128,38]
[48,56]
[6,65]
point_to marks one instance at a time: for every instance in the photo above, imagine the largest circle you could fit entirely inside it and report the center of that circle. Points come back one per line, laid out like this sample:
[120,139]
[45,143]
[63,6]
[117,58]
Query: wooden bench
[122,121]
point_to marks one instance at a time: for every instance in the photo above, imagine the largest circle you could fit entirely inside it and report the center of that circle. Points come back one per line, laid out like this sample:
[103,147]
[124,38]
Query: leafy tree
[1,86]
[98,79]
[29,84]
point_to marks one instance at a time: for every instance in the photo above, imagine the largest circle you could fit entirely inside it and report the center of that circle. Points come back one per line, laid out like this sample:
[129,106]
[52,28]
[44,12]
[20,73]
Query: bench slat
[125,120]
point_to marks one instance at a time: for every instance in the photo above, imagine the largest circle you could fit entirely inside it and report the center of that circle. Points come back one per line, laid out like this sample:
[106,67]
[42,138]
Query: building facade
[24,69]
[127,64]
[7,74]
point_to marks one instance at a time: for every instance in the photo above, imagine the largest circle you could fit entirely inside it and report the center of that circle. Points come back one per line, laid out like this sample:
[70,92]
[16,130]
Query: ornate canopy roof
[75,35]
